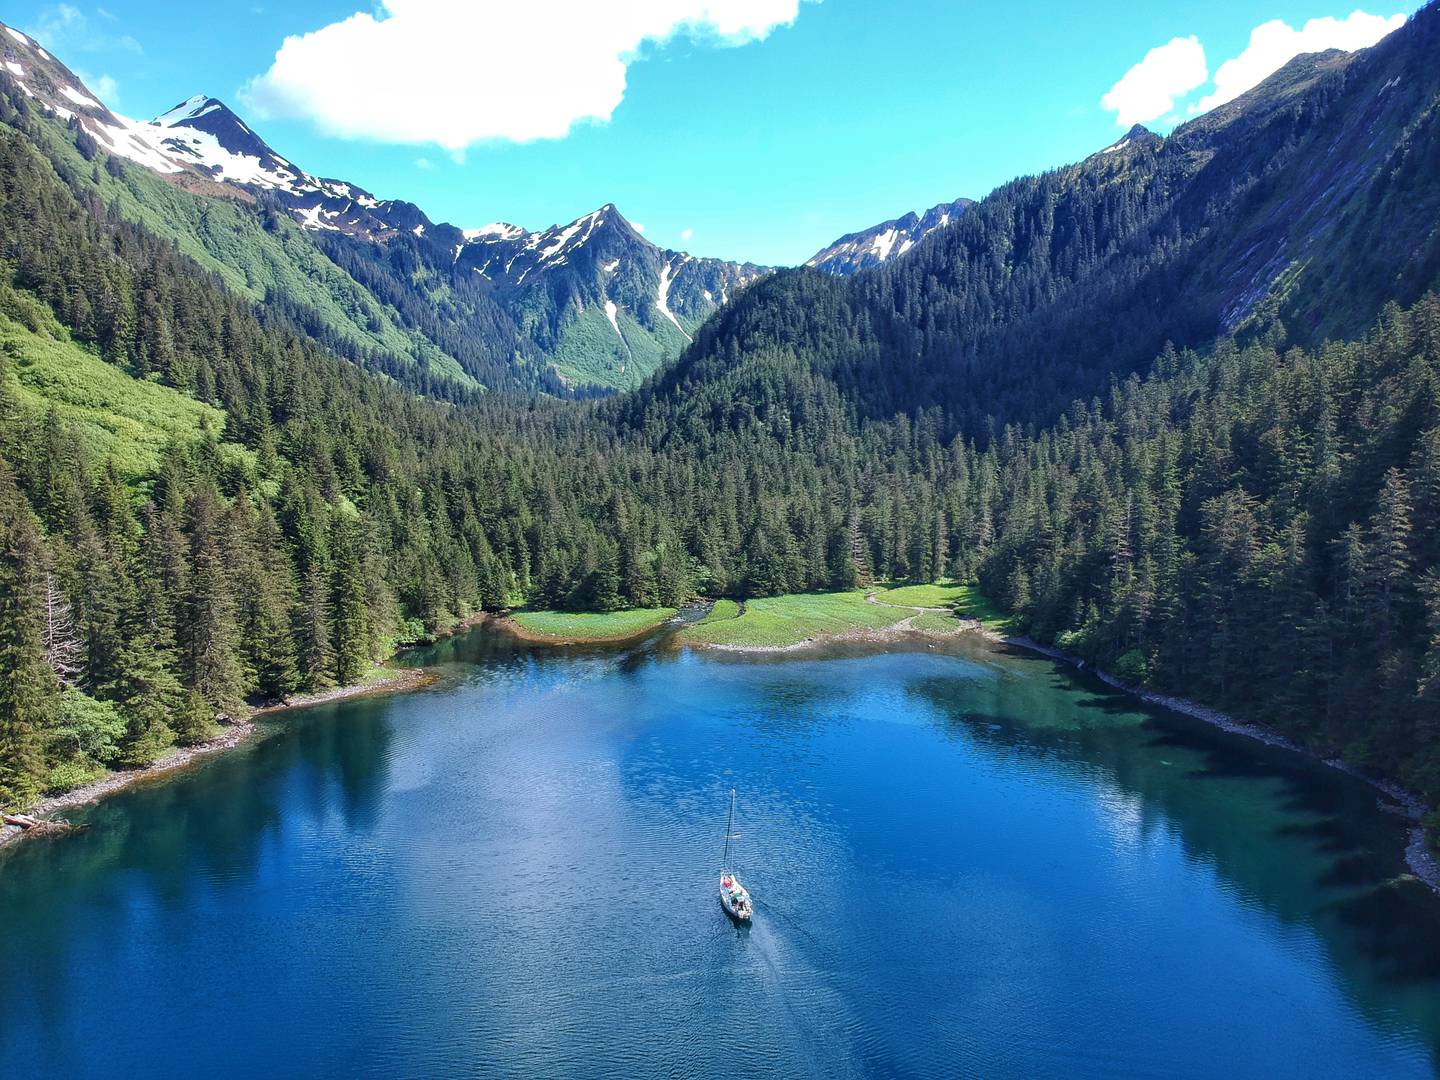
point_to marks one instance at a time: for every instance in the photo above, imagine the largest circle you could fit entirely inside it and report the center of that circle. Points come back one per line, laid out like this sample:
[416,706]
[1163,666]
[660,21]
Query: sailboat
[733,897]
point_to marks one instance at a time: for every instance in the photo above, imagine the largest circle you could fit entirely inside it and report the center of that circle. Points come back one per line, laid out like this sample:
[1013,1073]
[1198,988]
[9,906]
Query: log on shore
[36,825]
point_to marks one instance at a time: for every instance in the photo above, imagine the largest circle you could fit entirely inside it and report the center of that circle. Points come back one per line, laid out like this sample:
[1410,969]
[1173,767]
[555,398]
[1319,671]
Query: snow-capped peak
[189,109]
[515,253]
[203,133]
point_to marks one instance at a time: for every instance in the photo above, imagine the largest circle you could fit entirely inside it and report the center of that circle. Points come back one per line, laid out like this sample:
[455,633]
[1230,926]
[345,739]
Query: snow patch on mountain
[205,150]
[662,294]
[558,245]
[882,245]
[189,109]
[610,313]
[499,229]
[131,139]
[1139,137]
[313,218]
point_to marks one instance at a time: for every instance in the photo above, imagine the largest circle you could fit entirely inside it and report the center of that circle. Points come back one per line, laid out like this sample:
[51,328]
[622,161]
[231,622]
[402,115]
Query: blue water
[965,862]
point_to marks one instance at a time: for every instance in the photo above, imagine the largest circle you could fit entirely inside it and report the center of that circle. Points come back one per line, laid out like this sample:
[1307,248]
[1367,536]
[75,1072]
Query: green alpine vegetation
[971,603]
[721,610]
[76,394]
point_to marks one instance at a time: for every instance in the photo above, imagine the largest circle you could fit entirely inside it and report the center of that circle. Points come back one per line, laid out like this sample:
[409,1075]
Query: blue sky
[851,112]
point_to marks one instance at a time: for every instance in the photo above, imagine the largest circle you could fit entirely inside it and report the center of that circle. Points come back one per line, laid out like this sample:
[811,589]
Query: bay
[966,861]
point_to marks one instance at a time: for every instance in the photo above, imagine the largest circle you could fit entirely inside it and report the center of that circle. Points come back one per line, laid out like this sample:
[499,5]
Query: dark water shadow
[167,842]
[1350,882]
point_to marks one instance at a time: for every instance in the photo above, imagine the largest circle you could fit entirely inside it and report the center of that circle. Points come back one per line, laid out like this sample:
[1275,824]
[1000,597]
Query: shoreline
[400,680]
[1421,860]
[866,635]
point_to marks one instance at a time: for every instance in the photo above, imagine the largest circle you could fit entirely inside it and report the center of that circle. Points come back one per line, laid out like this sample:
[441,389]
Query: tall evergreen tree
[351,615]
[27,684]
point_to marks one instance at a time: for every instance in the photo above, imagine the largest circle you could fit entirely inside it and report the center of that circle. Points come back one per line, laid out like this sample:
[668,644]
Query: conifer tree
[316,654]
[27,684]
[1389,562]
[149,696]
[267,621]
[208,639]
[351,632]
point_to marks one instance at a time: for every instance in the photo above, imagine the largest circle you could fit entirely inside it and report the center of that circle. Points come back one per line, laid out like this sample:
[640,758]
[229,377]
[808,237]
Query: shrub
[1132,667]
[65,775]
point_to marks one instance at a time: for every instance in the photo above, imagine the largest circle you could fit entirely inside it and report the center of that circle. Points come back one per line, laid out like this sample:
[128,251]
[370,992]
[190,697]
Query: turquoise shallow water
[965,862]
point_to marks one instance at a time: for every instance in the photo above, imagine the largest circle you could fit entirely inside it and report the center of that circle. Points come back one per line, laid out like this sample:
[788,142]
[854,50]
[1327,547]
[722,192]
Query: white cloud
[105,88]
[61,21]
[65,27]
[1274,44]
[1149,89]
[424,163]
[686,234]
[457,72]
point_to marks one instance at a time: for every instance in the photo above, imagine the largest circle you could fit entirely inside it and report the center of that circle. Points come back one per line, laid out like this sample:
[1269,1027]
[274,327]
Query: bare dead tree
[62,639]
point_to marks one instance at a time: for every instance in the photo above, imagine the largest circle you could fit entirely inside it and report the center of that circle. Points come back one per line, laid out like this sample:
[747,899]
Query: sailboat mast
[729,828]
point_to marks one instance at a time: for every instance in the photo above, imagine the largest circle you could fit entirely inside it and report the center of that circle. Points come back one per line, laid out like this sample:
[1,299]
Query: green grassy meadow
[590,626]
[778,621]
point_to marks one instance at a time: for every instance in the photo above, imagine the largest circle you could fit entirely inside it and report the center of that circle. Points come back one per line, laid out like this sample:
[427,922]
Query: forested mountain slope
[1299,209]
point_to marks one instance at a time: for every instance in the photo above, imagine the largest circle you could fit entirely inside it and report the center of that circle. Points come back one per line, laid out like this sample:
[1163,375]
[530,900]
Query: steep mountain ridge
[45,81]
[602,306]
[879,244]
[567,282]
[206,135]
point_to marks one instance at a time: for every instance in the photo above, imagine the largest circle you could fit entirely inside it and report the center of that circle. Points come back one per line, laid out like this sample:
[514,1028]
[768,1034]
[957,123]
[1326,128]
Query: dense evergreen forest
[1252,518]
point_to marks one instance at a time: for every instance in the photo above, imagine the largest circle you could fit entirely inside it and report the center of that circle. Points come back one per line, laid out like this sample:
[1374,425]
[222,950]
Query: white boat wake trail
[822,1030]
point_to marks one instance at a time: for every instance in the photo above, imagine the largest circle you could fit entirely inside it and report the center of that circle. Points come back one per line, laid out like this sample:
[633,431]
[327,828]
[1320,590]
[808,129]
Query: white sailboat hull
[734,899]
